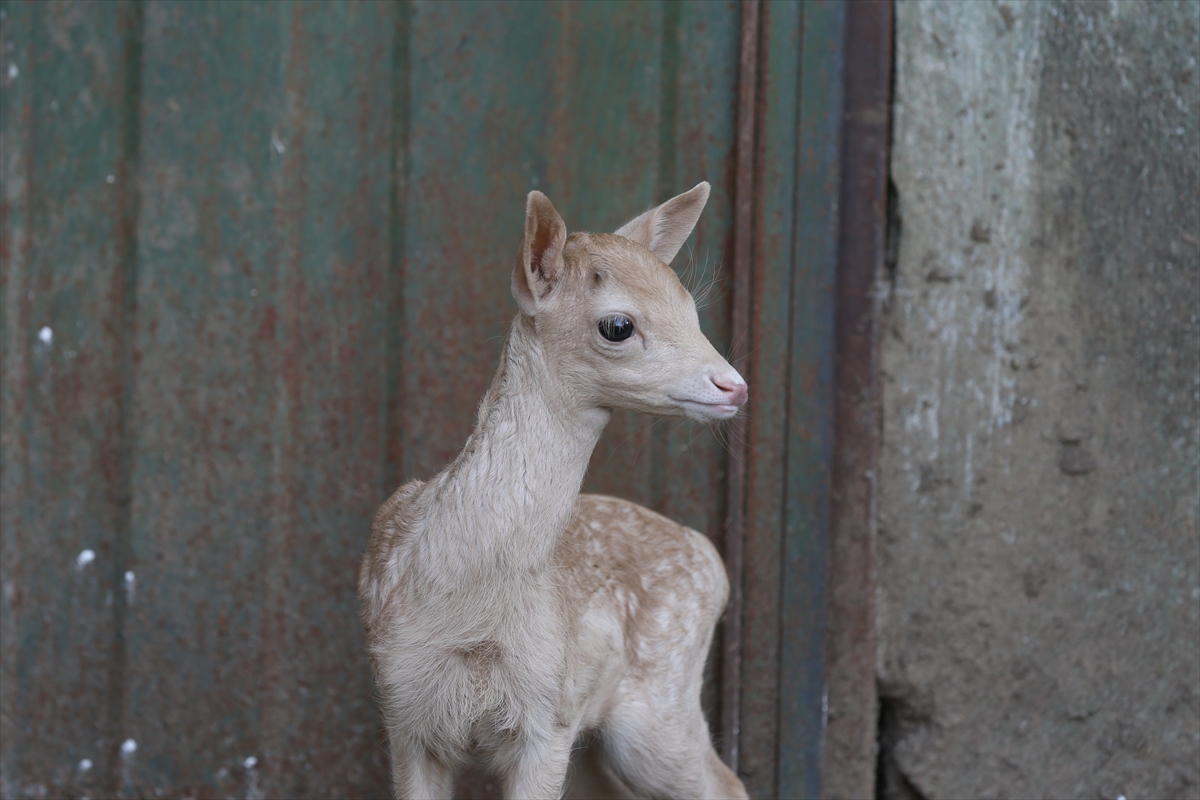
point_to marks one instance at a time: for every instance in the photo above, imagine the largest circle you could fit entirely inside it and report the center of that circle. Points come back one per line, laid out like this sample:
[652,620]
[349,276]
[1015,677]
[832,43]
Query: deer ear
[664,229]
[540,264]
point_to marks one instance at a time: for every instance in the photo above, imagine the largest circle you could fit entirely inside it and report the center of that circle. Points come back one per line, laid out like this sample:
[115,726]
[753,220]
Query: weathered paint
[731,633]
[63,244]
[292,293]
[262,255]
[771,290]
[810,399]
[789,426]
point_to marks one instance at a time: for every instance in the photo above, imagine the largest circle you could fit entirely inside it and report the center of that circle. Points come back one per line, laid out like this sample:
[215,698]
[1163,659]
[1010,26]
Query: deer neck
[513,489]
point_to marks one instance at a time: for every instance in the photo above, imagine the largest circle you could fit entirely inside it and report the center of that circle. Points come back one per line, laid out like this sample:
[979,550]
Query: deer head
[618,328]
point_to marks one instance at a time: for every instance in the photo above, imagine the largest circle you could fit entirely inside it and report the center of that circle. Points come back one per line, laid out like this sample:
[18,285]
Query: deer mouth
[708,411]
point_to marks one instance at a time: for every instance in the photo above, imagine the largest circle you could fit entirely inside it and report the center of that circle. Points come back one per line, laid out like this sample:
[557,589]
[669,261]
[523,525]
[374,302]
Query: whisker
[618,445]
[647,430]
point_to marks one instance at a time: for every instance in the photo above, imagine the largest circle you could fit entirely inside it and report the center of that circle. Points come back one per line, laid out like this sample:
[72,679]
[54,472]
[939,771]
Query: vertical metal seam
[744,218]
[828,241]
[658,435]
[22,373]
[125,291]
[668,99]
[850,768]
[392,472]
[787,403]
[289,184]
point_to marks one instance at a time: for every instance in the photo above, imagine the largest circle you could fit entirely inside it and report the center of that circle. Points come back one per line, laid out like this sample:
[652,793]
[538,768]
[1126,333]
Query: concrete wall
[1039,554]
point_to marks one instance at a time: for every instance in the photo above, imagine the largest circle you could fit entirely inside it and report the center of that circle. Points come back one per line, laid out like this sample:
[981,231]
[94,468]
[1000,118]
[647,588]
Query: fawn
[506,614]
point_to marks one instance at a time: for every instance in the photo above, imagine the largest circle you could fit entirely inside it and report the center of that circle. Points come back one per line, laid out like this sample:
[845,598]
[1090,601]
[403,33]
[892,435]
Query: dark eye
[616,329]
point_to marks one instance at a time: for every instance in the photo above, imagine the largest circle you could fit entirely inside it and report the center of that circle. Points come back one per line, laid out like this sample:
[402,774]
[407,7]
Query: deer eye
[616,329]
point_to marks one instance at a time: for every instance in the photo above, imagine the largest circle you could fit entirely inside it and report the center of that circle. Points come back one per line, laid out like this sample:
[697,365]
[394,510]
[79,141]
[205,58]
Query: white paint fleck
[253,791]
[128,747]
[84,558]
[46,335]
[13,72]
[277,143]
[130,586]
[1120,797]
[111,179]
[85,765]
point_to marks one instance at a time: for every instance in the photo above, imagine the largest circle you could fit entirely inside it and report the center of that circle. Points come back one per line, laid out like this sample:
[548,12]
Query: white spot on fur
[84,558]
[130,586]
[46,335]
[13,72]
[128,747]
[85,765]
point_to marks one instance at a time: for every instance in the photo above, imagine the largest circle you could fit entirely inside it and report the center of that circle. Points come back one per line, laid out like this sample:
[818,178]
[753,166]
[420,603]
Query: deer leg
[418,775]
[539,767]
[664,752]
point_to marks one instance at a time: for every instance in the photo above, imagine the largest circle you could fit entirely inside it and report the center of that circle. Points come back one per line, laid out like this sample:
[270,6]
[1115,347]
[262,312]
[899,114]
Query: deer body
[506,614]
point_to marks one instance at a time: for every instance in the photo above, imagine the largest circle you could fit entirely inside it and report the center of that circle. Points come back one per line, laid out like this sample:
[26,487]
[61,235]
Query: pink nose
[736,391]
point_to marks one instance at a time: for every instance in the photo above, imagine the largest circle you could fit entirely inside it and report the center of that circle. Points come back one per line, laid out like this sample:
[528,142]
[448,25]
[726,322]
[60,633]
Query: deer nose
[736,391]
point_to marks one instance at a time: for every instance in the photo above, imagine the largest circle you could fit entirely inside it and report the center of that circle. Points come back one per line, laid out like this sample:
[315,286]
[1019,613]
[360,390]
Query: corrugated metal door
[255,275]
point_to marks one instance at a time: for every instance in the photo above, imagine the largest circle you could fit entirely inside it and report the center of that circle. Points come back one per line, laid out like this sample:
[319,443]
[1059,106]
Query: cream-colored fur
[507,614]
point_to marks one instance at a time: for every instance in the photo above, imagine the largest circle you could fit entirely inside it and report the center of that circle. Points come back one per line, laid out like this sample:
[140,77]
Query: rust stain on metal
[740,314]
[300,289]
[850,739]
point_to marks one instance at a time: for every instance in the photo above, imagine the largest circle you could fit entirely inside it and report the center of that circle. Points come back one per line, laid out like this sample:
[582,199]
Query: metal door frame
[814,76]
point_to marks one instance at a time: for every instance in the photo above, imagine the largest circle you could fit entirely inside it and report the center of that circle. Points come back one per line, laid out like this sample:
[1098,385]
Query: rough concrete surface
[1039,553]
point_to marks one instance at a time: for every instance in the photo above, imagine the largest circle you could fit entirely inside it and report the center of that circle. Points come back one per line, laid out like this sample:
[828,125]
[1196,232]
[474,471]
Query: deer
[507,615]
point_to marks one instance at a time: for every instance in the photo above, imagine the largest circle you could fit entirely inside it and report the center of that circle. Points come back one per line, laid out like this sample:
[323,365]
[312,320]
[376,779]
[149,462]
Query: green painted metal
[790,431]
[768,378]
[260,339]
[810,397]
[63,146]
[272,242]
